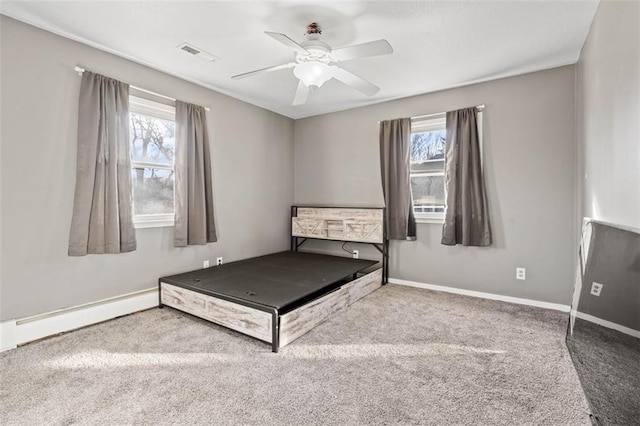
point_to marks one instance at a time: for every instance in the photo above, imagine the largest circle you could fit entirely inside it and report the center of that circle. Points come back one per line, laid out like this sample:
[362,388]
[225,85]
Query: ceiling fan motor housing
[319,51]
[313,67]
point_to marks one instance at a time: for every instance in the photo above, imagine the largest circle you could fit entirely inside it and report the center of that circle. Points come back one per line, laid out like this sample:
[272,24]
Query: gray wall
[608,87]
[530,153]
[530,157]
[614,261]
[252,155]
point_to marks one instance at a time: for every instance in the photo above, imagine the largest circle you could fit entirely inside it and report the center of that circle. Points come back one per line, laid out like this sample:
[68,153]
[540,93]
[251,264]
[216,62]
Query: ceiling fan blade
[302,92]
[357,82]
[372,48]
[287,41]
[263,70]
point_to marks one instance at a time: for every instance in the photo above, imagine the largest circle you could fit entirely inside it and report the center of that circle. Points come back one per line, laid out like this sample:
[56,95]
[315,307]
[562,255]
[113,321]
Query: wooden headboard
[364,225]
[347,224]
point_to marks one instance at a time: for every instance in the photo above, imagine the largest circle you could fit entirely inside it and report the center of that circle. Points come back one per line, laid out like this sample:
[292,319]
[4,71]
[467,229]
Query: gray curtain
[102,217]
[395,156]
[466,219]
[194,193]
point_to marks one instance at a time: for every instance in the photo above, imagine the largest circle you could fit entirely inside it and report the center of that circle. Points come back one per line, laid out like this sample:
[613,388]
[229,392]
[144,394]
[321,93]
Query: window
[152,134]
[427,167]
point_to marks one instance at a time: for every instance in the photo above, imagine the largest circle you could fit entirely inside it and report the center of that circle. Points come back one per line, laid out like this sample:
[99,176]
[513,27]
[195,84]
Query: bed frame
[344,224]
[281,323]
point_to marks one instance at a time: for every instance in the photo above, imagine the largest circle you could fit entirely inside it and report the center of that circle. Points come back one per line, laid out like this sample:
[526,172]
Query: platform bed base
[266,323]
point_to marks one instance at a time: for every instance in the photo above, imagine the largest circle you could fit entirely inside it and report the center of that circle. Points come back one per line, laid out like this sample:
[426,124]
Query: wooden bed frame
[267,323]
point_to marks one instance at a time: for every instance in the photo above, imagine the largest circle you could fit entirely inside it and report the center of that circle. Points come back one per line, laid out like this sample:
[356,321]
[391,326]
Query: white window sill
[153,221]
[434,220]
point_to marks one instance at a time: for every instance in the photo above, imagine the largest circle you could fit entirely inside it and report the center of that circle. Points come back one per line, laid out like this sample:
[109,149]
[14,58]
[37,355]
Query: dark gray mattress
[283,280]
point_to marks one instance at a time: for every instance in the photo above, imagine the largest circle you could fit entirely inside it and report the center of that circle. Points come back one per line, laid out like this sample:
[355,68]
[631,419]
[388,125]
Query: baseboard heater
[36,327]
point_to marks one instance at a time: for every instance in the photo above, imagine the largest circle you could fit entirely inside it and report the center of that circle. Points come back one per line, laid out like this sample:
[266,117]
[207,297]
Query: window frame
[436,122]
[431,123]
[148,105]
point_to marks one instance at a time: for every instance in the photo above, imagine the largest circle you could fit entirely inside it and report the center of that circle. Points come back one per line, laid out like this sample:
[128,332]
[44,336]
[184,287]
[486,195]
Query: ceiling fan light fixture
[312,74]
[315,62]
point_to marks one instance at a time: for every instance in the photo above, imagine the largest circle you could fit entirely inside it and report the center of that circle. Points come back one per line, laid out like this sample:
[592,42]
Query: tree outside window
[428,138]
[152,135]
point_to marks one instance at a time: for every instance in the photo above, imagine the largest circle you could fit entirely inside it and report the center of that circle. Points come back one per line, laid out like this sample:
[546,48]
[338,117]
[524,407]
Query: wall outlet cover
[521,274]
[219,261]
[205,264]
[596,288]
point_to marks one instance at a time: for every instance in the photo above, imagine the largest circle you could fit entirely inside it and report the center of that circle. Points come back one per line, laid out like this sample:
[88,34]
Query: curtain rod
[81,70]
[420,117]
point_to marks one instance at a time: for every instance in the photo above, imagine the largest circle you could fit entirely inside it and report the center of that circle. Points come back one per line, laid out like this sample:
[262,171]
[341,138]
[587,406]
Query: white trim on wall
[607,324]
[25,330]
[483,295]
[8,335]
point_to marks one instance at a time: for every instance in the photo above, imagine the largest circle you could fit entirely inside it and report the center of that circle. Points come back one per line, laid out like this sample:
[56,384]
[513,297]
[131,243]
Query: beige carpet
[399,356]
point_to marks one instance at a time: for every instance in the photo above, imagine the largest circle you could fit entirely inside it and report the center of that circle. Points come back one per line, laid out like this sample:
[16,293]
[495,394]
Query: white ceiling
[437,44]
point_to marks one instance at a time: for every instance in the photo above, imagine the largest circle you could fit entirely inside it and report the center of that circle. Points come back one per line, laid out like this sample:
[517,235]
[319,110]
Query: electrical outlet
[596,288]
[219,261]
[356,254]
[205,264]
[521,274]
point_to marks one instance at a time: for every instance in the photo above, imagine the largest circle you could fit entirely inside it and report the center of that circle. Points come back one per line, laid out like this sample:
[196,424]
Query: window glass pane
[426,147]
[152,191]
[152,139]
[428,193]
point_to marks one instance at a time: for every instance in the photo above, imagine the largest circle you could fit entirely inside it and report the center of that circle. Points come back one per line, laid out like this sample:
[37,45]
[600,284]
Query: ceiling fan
[315,62]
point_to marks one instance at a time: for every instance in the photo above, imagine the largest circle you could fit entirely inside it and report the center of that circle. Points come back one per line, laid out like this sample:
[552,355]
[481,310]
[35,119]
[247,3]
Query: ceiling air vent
[196,51]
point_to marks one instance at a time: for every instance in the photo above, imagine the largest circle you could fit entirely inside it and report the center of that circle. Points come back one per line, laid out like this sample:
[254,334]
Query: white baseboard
[483,295]
[25,330]
[8,335]
[607,324]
